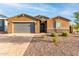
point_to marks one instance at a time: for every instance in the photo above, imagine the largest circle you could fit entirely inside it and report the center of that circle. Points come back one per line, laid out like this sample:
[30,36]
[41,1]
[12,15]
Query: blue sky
[48,9]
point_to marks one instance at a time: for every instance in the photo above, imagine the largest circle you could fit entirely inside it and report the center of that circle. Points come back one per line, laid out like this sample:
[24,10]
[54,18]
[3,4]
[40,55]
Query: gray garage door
[24,27]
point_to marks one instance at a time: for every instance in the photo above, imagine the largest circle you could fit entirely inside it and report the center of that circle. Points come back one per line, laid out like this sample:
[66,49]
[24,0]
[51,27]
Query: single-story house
[24,23]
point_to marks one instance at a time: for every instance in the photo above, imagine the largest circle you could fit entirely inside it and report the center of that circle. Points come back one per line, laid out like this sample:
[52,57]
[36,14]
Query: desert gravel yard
[38,46]
[67,46]
[13,45]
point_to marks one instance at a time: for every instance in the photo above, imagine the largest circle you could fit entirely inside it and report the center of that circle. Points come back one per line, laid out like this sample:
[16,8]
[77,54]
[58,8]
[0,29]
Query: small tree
[76,14]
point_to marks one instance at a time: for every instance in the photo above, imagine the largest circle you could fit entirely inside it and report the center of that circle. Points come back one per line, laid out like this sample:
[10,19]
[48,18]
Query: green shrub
[55,40]
[54,34]
[65,34]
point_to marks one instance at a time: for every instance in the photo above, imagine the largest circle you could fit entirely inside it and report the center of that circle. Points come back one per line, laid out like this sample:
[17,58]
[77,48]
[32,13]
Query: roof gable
[24,15]
[42,18]
[61,18]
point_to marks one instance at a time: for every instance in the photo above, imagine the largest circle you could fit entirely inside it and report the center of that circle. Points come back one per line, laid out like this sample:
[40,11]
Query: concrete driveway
[13,45]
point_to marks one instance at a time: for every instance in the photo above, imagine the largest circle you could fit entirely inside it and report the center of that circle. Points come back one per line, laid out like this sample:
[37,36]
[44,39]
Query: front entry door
[43,27]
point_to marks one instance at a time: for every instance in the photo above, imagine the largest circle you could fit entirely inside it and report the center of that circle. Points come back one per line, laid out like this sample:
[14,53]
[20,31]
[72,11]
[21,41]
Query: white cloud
[68,11]
[15,5]
[41,7]
[38,7]
[65,12]
[21,6]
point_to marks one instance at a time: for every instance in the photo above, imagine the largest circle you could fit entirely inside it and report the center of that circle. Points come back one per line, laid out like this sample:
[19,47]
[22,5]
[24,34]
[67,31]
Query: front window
[58,24]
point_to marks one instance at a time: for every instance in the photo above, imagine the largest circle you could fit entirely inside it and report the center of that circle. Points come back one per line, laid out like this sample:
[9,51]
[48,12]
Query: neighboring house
[58,24]
[3,23]
[23,23]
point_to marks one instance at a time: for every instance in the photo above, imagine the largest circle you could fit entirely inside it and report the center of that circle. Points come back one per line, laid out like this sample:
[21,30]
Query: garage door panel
[21,27]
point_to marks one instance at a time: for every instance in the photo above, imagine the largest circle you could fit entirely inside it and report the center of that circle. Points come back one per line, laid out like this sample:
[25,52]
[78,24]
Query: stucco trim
[23,21]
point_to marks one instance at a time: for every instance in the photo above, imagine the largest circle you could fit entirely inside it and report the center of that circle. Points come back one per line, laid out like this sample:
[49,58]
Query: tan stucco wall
[51,24]
[22,19]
